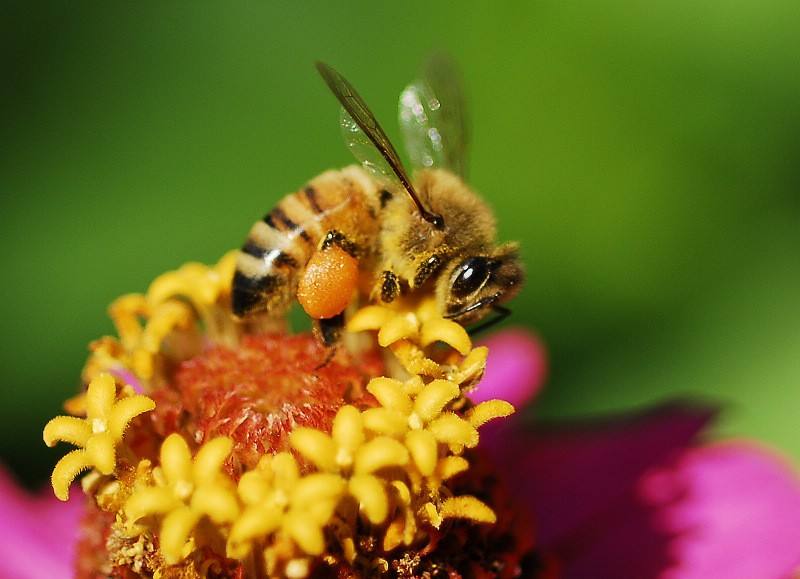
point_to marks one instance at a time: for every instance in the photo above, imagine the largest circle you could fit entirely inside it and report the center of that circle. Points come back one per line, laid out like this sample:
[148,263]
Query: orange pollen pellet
[328,283]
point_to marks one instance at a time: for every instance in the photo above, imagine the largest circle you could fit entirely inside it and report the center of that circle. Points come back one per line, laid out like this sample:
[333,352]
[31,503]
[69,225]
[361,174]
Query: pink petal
[734,510]
[129,378]
[579,481]
[516,368]
[38,532]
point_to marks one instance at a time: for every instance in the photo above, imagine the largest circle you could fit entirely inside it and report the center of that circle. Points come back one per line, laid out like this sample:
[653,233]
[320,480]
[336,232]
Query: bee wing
[364,150]
[433,117]
[361,128]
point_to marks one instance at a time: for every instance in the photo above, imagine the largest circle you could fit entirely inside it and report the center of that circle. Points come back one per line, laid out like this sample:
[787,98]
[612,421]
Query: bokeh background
[645,154]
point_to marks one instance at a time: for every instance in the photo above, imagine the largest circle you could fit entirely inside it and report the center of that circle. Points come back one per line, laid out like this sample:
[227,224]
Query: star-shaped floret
[185,491]
[408,329]
[97,435]
[142,342]
[278,499]
[174,302]
[203,285]
[348,453]
[417,412]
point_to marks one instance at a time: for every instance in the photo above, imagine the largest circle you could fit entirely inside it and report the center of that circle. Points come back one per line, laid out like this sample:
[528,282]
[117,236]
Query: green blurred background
[645,153]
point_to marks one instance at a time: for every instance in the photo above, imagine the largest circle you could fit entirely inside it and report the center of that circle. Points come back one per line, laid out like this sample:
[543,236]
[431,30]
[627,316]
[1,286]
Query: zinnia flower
[244,452]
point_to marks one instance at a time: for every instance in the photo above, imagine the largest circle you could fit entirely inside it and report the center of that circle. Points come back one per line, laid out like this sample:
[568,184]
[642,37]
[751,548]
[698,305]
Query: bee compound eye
[470,276]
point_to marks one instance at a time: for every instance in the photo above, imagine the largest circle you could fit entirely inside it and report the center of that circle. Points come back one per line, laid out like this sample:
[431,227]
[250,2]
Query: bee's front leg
[428,266]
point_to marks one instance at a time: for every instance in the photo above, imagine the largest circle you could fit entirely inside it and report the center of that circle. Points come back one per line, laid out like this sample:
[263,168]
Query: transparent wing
[364,150]
[433,117]
[358,116]
[362,117]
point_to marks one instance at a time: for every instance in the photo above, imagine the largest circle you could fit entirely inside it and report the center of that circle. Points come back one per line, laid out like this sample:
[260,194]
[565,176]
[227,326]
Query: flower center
[184,489]
[263,389]
[344,458]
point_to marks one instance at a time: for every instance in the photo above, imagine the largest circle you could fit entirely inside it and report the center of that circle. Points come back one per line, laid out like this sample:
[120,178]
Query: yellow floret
[97,435]
[200,284]
[175,302]
[184,492]
[346,452]
[409,328]
[278,499]
[420,418]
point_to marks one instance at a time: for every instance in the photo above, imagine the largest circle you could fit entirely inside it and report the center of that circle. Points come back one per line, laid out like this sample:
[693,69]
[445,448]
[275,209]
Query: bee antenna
[358,110]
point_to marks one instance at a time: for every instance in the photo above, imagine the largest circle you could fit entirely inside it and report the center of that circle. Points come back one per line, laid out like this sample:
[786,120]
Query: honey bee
[371,230]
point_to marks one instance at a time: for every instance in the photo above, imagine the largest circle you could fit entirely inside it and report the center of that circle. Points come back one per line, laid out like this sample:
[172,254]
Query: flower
[277,498]
[367,460]
[363,494]
[407,328]
[97,435]
[184,491]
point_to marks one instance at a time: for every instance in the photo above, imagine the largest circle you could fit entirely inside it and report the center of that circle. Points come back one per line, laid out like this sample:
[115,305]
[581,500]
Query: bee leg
[329,279]
[331,352]
[339,239]
[390,286]
[427,268]
[329,330]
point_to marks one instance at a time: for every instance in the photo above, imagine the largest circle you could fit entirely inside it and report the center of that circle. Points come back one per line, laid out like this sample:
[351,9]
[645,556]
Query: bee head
[473,285]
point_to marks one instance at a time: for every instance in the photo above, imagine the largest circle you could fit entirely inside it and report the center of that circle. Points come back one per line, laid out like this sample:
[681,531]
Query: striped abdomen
[279,246]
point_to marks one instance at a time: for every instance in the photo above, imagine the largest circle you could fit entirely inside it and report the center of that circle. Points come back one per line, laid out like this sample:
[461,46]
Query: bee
[372,230]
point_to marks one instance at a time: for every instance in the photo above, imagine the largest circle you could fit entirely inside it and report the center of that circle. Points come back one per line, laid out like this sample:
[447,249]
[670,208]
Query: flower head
[332,462]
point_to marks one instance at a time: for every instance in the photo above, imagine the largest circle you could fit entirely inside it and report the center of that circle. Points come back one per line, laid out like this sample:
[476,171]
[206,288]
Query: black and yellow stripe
[280,244]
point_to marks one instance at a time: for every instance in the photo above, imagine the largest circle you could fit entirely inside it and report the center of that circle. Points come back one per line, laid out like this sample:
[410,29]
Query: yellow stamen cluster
[276,499]
[164,320]
[408,330]
[353,459]
[97,435]
[184,492]
[387,464]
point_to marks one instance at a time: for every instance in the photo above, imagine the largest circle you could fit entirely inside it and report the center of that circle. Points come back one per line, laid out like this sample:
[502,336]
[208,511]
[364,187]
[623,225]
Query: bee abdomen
[268,263]
[280,258]
[279,245]
[249,292]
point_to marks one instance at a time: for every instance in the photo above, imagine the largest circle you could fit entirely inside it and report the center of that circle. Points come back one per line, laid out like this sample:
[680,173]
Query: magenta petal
[38,533]
[572,477]
[129,378]
[516,368]
[734,512]
[572,473]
